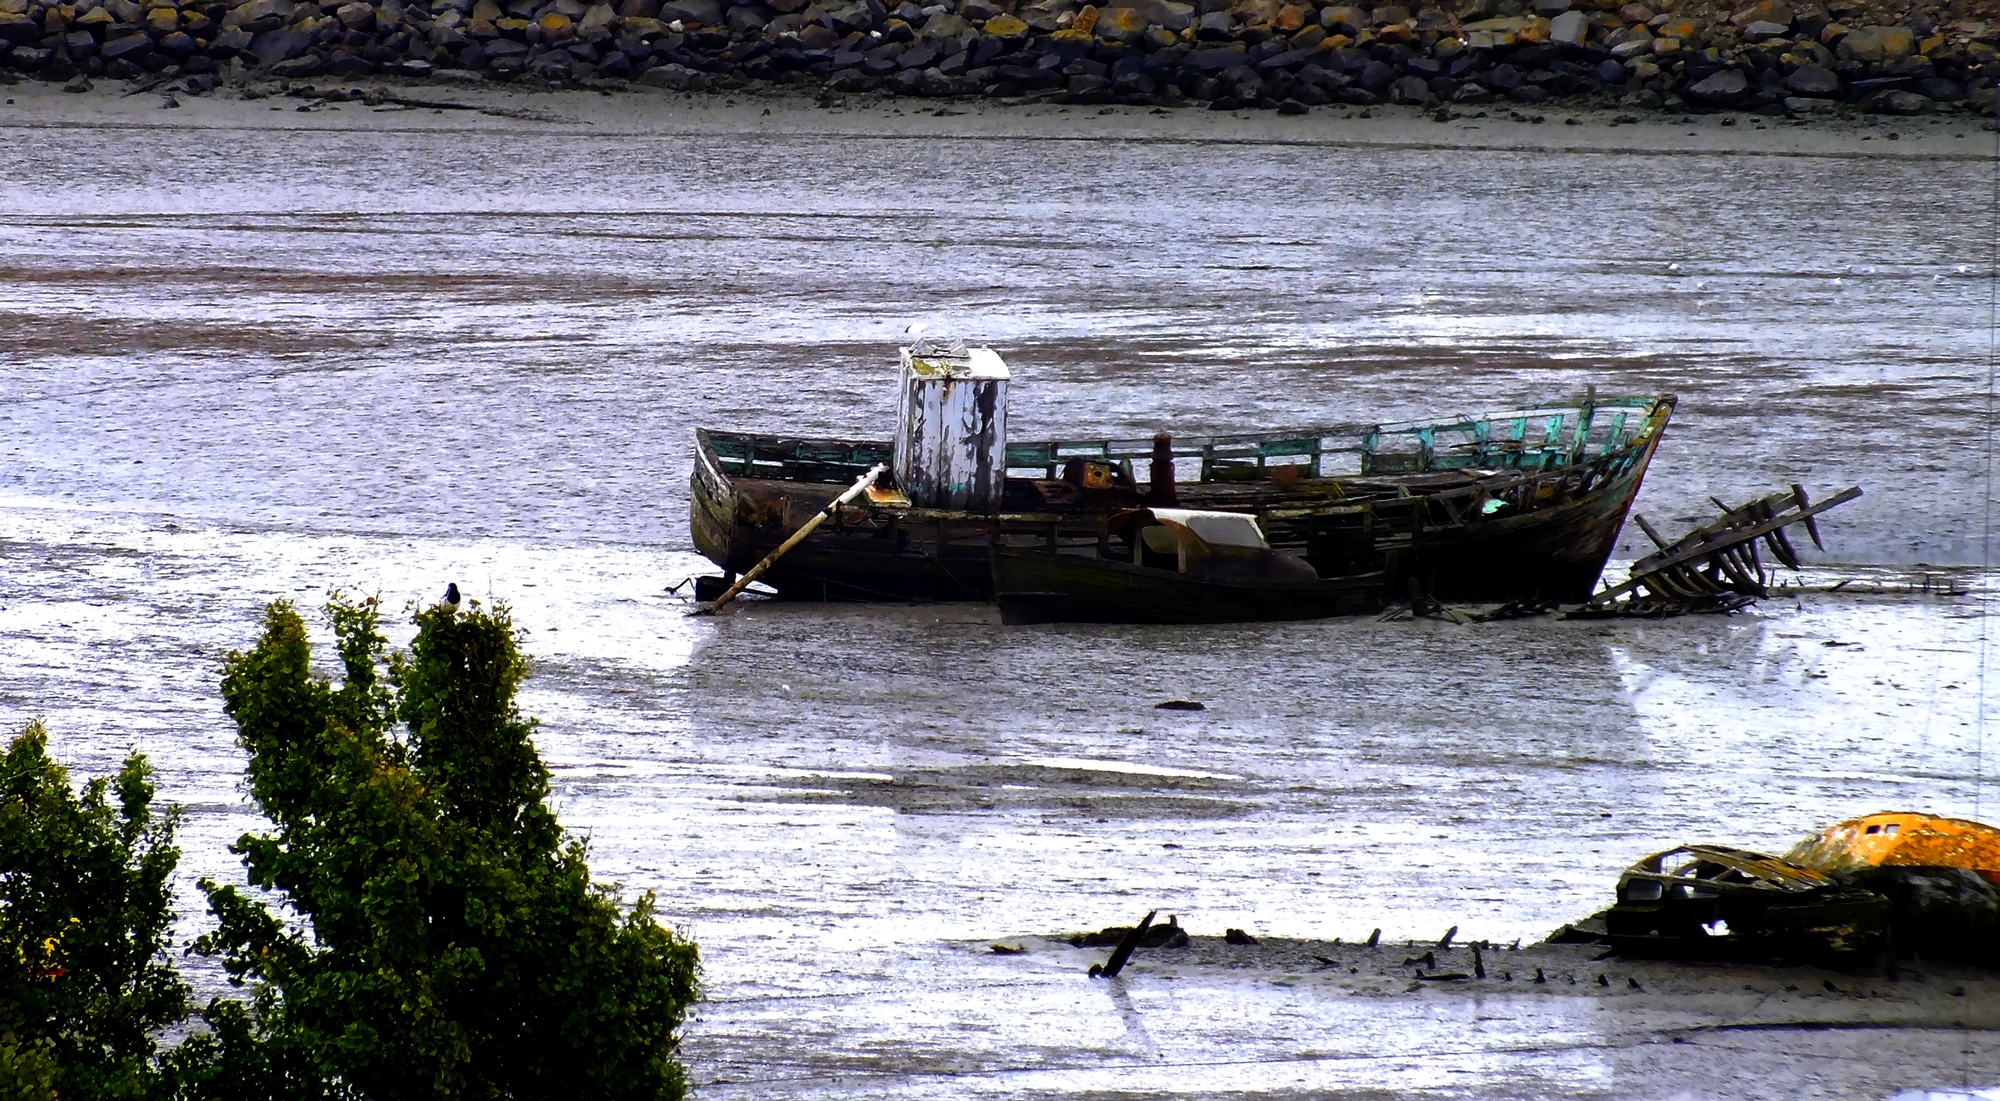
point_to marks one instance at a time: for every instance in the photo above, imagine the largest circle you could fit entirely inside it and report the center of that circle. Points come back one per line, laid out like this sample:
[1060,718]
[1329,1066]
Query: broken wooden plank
[1728,546]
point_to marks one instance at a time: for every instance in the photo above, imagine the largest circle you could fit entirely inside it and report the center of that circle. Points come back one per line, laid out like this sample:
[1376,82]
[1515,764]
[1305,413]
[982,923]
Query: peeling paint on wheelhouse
[951,427]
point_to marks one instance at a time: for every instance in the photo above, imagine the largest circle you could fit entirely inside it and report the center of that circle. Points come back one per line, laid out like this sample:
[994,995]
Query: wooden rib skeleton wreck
[1717,567]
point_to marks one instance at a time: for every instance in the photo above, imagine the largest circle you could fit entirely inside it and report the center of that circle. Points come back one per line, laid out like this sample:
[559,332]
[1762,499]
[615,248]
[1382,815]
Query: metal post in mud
[859,487]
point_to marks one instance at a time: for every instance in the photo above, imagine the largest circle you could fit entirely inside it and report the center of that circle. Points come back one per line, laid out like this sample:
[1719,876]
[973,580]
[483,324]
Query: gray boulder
[1897,103]
[229,42]
[282,44]
[1344,19]
[1814,81]
[1568,28]
[308,65]
[555,63]
[1723,88]
[946,25]
[1940,89]
[17,29]
[1174,16]
[1877,43]
[1085,84]
[1213,61]
[670,75]
[132,47]
[706,12]
[1408,90]
[748,17]
[179,45]
[1806,105]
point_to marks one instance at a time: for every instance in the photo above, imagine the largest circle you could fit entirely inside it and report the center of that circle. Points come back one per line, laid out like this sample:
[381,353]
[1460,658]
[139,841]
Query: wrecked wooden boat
[1165,565]
[1712,902]
[1940,877]
[1907,839]
[1498,506]
[1884,881]
[1716,567]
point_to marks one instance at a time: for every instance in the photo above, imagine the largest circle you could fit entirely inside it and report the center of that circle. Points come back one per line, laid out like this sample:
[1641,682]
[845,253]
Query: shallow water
[240,365]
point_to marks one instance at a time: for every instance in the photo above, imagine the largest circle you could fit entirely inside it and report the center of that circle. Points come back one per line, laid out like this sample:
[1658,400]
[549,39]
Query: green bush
[85,984]
[453,945]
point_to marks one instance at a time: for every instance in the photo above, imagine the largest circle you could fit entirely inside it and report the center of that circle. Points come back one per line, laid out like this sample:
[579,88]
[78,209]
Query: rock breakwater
[1769,57]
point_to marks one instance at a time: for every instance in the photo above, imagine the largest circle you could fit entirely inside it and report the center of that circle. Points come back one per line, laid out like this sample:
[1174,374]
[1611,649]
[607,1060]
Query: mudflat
[250,354]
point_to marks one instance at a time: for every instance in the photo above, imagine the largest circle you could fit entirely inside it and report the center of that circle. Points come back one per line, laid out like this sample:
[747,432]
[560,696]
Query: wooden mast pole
[859,487]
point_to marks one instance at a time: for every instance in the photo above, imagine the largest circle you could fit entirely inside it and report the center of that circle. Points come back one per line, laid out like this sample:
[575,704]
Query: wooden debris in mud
[1123,952]
[1422,605]
[1716,567]
[1170,935]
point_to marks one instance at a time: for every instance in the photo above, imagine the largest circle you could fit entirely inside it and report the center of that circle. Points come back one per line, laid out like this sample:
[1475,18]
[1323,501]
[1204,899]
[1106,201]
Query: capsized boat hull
[1032,586]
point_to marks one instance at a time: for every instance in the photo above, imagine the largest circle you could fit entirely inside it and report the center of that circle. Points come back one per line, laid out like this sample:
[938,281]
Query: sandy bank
[390,106]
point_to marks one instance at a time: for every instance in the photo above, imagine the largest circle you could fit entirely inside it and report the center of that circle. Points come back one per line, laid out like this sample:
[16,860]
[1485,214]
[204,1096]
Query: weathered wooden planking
[951,430]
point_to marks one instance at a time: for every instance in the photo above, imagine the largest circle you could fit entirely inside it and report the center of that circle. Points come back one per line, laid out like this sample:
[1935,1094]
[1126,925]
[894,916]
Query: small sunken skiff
[1167,565]
[1502,506]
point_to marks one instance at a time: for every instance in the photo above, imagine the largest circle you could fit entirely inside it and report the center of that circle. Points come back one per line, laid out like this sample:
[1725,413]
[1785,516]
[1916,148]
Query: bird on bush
[451,594]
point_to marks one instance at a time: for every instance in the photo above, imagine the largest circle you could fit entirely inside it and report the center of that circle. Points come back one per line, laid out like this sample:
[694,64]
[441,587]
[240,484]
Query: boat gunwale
[1203,447]
[1321,496]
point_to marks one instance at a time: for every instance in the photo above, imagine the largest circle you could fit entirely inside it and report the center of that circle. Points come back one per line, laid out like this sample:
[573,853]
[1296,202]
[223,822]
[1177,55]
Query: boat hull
[1035,587]
[858,555]
[1463,535]
[1557,552]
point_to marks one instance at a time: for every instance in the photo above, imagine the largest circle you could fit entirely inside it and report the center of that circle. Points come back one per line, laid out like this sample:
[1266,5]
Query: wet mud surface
[244,363]
[1305,1018]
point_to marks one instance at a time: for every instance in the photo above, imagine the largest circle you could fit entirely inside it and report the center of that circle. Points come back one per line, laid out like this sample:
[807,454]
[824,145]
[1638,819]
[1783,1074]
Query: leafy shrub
[454,945]
[85,906]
